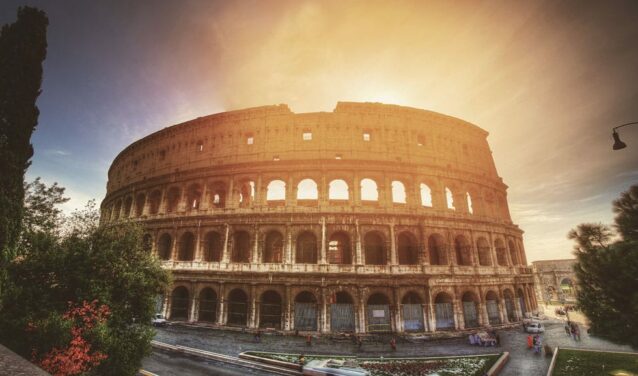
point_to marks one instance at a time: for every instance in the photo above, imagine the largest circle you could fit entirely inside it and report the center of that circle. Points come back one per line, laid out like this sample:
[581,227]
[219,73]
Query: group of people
[490,338]
[535,342]
[573,330]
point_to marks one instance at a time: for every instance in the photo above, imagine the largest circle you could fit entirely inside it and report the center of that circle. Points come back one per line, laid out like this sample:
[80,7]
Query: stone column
[232,199]
[147,205]
[291,192]
[192,315]
[288,252]
[288,308]
[163,202]
[182,204]
[225,255]
[484,316]
[431,314]
[362,312]
[221,315]
[503,307]
[255,256]
[358,252]
[322,258]
[174,245]
[252,319]
[198,243]
[324,312]
[393,246]
[398,322]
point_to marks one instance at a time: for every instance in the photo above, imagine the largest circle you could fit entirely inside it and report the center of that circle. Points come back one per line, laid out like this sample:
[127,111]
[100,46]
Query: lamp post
[617,143]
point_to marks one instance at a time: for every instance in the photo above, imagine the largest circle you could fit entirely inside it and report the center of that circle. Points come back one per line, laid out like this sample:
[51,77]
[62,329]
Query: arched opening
[155,201]
[186,247]
[437,250]
[408,249]
[339,250]
[207,305]
[307,190]
[247,193]
[305,311]
[375,251]
[491,304]
[468,198]
[172,199]
[276,191]
[306,248]
[520,295]
[213,247]
[426,195]
[241,247]
[179,303]
[462,250]
[508,297]
[147,243]
[378,313]
[164,247]
[128,203]
[369,191]
[513,253]
[338,190]
[449,198]
[140,201]
[342,313]
[194,197]
[501,252]
[470,309]
[412,312]
[398,192]
[117,210]
[270,310]
[273,253]
[567,287]
[483,248]
[237,308]
[218,195]
[444,311]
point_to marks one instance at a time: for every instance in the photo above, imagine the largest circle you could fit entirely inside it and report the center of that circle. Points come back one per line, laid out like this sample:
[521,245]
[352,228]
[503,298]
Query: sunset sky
[547,79]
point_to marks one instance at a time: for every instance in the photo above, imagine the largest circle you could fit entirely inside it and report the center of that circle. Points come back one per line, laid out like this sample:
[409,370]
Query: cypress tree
[22,51]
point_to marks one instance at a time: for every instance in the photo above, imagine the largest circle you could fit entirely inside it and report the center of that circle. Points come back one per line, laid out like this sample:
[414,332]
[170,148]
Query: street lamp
[617,143]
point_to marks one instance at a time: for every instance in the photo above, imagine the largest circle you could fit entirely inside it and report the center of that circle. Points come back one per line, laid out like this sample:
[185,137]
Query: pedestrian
[258,336]
[498,339]
[308,340]
[537,344]
[530,341]
[573,331]
[567,329]
[359,342]
[577,332]
[393,344]
[302,360]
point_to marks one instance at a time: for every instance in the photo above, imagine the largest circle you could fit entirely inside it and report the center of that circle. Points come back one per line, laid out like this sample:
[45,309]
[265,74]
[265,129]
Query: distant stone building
[370,218]
[555,281]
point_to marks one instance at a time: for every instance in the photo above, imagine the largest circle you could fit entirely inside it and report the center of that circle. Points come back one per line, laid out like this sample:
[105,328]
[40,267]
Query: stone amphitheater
[369,218]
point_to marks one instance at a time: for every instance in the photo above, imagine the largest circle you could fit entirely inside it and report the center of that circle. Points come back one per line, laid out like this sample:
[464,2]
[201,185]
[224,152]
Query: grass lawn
[462,365]
[584,363]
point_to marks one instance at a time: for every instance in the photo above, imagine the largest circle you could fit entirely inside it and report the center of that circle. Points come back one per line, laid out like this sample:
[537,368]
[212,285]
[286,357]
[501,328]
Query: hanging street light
[618,144]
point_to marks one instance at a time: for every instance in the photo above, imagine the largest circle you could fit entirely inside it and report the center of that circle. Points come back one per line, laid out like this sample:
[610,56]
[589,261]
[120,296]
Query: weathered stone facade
[555,281]
[368,218]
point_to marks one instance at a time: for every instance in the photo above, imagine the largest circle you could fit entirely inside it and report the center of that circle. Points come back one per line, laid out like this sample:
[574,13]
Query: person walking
[359,342]
[258,336]
[577,332]
[567,329]
[308,340]
[530,341]
[393,344]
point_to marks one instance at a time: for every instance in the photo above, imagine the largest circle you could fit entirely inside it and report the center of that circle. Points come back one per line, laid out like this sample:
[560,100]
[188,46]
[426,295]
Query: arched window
[408,249]
[398,192]
[172,199]
[462,248]
[241,247]
[164,247]
[116,210]
[306,248]
[274,247]
[307,190]
[213,247]
[128,203]
[483,248]
[339,251]
[237,307]
[156,199]
[501,252]
[270,310]
[305,311]
[375,251]
[513,253]
[218,195]
[470,309]
[369,190]
[246,193]
[140,200]
[276,191]
[179,303]
[207,305]
[449,198]
[444,311]
[491,305]
[426,195]
[338,190]
[437,250]
[186,247]
[470,209]
[412,312]
[194,197]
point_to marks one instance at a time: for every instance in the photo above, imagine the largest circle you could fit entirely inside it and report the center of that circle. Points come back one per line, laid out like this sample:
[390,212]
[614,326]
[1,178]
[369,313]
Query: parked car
[159,320]
[559,311]
[322,367]
[534,327]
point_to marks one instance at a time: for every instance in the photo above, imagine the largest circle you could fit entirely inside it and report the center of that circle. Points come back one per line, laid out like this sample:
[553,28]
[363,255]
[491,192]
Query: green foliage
[22,51]
[75,261]
[626,209]
[607,274]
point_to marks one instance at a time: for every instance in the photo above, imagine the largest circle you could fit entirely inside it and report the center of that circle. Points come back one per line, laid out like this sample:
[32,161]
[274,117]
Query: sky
[547,79]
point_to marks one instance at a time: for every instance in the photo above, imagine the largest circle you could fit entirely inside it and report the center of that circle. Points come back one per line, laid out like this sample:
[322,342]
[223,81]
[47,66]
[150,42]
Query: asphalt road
[165,364]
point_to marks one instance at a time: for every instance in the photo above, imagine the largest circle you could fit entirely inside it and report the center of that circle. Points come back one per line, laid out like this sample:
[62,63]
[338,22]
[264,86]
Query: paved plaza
[522,361]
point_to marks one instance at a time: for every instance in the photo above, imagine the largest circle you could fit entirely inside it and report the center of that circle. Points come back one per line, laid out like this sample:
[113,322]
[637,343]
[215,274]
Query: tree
[76,262]
[607,273]
[22,51]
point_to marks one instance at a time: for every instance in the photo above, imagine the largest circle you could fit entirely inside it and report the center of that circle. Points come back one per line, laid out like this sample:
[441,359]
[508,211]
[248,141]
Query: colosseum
[370,218]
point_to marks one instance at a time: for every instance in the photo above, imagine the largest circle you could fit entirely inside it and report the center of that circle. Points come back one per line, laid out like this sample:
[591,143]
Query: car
[159,320]
[534,327]
[333,367]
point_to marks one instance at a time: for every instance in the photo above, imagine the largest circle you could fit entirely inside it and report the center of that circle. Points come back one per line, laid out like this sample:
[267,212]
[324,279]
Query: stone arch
[307,190]
[444,311]
[483,250]
[468,201]
[180,302]
[412,312]
[408,248]
[128,205]
[426,195]
[437,250]
[513,253]
[369,190]
[398,192]
[241,247]
[343,297]
[140,201]
[470,309]
[501,252]
[449,199]
[305,311]
[164,247]
[246,193]
[147,243]
[508,300]
[117,209]
[378,313]
[492,307]
[306,250]
[462,251]
[186,247]
[375,250]
[155,199]
[520,295]
[194,196]
[276,191]
[172,199]
[270,310]
[207,305]
[274,247]
[338,190]
[237,307]
[339,248]
[213,246]
[218,195]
